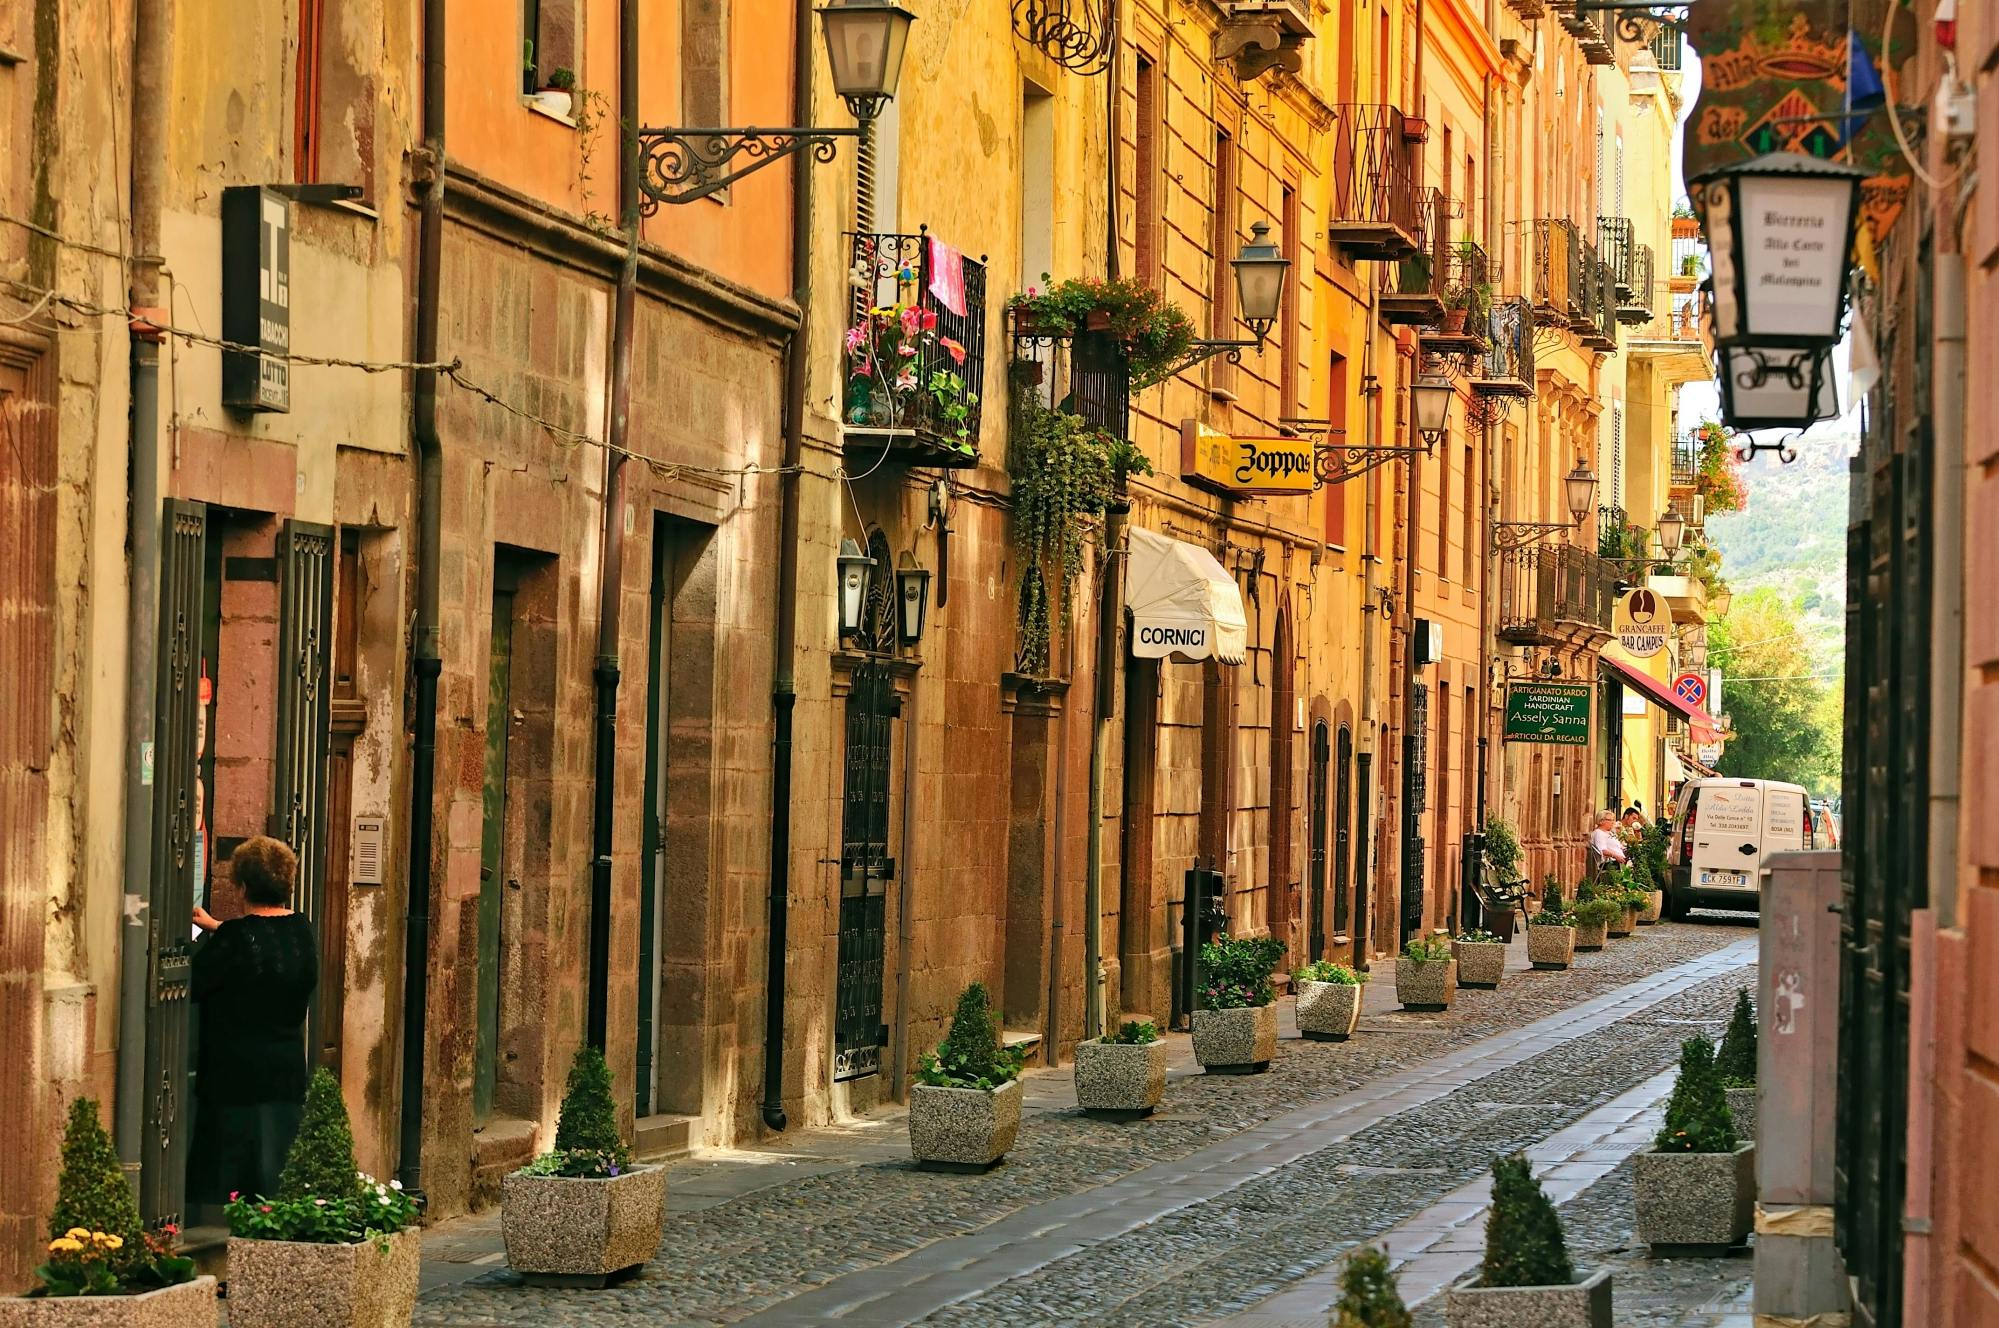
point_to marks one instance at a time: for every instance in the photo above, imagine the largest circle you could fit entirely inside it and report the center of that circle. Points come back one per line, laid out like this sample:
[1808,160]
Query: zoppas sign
[1231,465]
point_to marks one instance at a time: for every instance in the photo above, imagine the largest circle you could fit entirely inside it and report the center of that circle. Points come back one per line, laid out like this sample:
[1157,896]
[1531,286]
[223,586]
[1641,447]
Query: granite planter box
[1121,1080]
[1238,1041]
[1655,907]
[1425,986]
[563,1231]
[280,1283]
[963,1129]
[1590,935]
[1481,964]
[1328,1011]
[1551,947]
[1626,922]
[1695,1203]
[1584,1304]
[1742,1107]
[189,1305]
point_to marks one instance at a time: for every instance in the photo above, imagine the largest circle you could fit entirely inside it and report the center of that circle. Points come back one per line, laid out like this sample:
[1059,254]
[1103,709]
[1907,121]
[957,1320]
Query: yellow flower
[110,1242]
[65,1245]
[78,1233]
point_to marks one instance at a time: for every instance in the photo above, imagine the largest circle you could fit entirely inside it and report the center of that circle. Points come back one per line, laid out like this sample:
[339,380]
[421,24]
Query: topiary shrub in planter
[1235,1031]
[1736,1064]
[964,1111]
[332,1246]
[1426,975]
[1649,864]
[1695,1190]
[1591,916]
[1328,1000]
[1526,1280]
[1481,959]
[1614,884]
[104,1270]
[1122,1076]
[1551,935]
[581,1214]
[1368,1296]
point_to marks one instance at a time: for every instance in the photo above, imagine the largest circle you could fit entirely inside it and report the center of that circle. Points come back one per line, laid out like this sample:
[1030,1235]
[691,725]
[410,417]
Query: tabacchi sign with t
[1226,464]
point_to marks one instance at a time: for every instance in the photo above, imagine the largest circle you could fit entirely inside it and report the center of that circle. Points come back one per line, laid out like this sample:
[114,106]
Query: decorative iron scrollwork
[1079,35]
[1335,461]
[682,165]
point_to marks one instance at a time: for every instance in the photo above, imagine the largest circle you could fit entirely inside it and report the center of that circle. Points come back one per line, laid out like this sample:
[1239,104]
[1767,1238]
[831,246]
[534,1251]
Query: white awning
[1183,603]
[1676,773]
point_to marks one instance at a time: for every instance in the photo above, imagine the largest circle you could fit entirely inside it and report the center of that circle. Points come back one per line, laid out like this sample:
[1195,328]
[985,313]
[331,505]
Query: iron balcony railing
[1375,207]
[1604,334]
[1085,373]
[1686,461]
[1546,588]
[1635,305]
[1422,271]
[1609,530]
[1615,240]
[1586,282]
[1554,270]
[1679,321]
[1689,253]
[1666,48]
[1509,356]
[935,394]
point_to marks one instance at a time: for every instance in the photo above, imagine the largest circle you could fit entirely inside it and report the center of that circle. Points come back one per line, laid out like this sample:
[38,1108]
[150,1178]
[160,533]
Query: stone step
[662,1138]
[1028,1042]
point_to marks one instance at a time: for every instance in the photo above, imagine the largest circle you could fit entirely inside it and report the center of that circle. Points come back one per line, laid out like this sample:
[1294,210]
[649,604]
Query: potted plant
[103,1269]
[1650,864]
[1426,975]
[965,1108]
[1592,915]
[1526,1280]
[1502,860]
[1368,1295]
[1154,333]
[1613,883]
[332,1246]
[1481,958]
[903,373]
[1235,1030]
[558,95]
[1328,1000]
[1737,1066]
[1551,934]
[1696,1188]
[1690,265]
[1122,1076]
[582,1214]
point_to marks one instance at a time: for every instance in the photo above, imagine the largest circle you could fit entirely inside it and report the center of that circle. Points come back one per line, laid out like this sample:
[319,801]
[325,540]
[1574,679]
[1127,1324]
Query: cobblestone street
[1233,1204]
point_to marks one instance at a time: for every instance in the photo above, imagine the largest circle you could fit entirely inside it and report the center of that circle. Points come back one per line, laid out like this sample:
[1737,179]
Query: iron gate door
[1415,799]
[304,730]
[163,1149]
[1316,905]
[1343,885]
[865,872]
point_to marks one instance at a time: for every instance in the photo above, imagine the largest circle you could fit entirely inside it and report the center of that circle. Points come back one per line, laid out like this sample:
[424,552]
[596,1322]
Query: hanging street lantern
[1672,531]
[1793,391]
[912,595]
[856,569]
[1260,270]
[1579,486]
[865,41]
[1430,401]
[1780,231]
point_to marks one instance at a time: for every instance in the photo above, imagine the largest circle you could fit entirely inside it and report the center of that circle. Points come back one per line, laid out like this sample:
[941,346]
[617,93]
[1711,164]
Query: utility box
[1798,1270]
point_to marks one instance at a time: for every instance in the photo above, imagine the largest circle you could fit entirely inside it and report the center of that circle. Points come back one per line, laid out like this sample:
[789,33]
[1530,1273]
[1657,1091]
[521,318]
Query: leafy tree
[1524,1245]
[589,1118]
[1368,1297]
[1781,703]
[1737,1061]
[1697,1119]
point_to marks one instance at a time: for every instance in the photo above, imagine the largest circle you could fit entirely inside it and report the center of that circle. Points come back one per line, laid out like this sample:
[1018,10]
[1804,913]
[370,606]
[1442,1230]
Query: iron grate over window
[1079,35]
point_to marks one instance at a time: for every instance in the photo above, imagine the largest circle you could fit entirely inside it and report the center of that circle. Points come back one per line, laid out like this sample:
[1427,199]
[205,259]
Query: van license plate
[1737,879]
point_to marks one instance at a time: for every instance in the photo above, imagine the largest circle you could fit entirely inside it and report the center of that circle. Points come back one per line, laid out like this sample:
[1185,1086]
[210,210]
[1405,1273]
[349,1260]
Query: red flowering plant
[1155,333]
[1719,480]
[901,370]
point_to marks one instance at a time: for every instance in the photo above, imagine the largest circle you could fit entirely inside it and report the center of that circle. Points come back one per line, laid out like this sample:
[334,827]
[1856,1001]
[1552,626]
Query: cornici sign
[1174,638]
[1228,464]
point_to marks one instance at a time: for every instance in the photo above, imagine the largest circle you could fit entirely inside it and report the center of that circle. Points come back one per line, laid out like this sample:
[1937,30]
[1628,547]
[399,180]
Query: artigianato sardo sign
[1548,712]
[1227,464]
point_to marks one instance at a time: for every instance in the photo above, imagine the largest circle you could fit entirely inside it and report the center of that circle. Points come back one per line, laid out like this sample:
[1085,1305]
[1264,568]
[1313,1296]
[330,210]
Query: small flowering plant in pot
[582,1214]
[1154,333]
[332,1246]
[1328,1000]
[1526,1279]
[1695,1190]
[1481,959]
[102,1268]
[964,1111]
[1551,934]
[1426,975]
[903,373]
[1736,1064]
[1235,1030]
[1122,1075]
[1592,915]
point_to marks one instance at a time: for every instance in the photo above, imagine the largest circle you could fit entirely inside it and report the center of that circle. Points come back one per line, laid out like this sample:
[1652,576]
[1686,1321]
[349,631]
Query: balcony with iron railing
[1582,24]
[1689,254]
[1084,372]
[1552,594]
[915,358]
[1615,241]
[1375,209]
[1417,299]
[1554,271]
[1686,466]
[1634,306]
[1667,47]
[1508,366]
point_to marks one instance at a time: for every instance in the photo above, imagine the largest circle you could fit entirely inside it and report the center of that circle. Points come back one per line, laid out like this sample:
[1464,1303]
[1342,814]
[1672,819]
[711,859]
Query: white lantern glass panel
[1579,486]
[1430,400]
[1793,231]
[1260,271]
[865,43]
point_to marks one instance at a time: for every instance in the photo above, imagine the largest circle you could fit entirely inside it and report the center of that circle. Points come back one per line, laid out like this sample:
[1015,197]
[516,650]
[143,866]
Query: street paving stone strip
[1338,1143]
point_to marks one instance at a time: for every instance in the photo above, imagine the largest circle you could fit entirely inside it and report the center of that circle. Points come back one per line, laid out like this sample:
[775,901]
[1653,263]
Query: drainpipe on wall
[429,661]
[1109,614]
[142,607]
[784,686]
[1370,608]
[1415,911]
[611,575]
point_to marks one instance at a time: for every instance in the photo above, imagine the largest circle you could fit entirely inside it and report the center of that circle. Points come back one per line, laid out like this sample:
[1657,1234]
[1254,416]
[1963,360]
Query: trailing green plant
[1066,472]
[1737,1061]
[96,1245]
[1427,950]
[1697,1119]
[1719,477]
[1477,936]
[1135,1033]
[1502,851]
[1155,333]
[1235,971]
[1524,1245]
[1325,970]
[1368,1295]
[972,1055]
[323,1198]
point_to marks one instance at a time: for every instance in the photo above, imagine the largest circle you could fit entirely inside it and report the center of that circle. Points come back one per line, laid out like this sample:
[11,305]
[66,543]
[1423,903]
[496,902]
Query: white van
[1722,832]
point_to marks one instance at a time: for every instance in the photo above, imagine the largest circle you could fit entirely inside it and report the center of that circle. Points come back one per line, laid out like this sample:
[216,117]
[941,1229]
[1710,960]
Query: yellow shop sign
[1245,465]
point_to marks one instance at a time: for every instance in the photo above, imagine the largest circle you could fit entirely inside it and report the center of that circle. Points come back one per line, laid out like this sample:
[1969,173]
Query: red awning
[1698,720]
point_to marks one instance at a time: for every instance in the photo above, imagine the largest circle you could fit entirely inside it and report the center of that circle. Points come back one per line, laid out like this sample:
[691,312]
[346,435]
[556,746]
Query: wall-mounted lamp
[1430,402]
[856,568]
[912,594]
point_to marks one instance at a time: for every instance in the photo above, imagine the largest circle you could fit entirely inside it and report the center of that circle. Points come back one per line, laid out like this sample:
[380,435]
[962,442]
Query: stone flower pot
[1742,1107]
[963,1129]
[1426,986]
[1481,964]
[1121,1080]
[1551,947]
[1624,923]
[564,1231]
[1590,935]
[1328,1011]
[189,1305]
[1584,1304]
[1695,1203]
[1655,907]
[1237,1041]
[368,1284]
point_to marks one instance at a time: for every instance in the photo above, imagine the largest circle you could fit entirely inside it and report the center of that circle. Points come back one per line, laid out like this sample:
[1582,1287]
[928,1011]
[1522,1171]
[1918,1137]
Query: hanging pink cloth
[947,276]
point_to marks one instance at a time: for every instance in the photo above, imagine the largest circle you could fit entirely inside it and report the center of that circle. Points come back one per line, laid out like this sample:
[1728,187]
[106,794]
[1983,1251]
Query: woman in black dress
[253,979]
